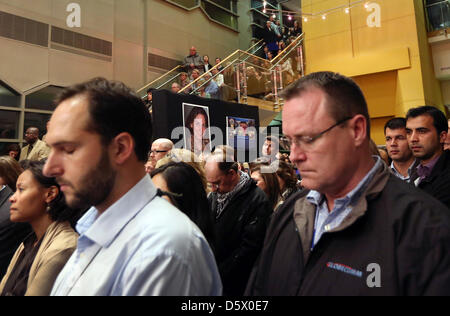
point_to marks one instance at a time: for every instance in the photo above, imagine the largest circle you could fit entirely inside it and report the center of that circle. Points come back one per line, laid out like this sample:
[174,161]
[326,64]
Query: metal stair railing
[240,60]
[254,48]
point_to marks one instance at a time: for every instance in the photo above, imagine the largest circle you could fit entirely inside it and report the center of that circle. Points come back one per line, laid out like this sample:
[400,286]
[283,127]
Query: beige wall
[170,32]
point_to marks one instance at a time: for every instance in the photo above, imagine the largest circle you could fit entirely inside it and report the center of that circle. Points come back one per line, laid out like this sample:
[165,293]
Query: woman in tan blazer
[39,259]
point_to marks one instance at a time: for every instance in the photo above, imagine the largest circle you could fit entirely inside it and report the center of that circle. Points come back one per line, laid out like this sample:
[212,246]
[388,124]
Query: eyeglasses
[303,141]
[157,151]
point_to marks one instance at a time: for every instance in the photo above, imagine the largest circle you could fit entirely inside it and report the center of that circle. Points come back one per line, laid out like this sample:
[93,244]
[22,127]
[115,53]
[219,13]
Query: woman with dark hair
[197,123]
[268,182]
[184,188]
[39,259]
[11,234]
[287,179]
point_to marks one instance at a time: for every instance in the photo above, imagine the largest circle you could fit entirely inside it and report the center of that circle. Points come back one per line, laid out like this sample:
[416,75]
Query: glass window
[42,99]
[438,14]
[223,3]
[220,15]
[8,97]
[38,120]
[9,124]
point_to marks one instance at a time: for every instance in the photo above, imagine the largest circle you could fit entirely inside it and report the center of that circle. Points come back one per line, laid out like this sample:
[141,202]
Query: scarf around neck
[224,198]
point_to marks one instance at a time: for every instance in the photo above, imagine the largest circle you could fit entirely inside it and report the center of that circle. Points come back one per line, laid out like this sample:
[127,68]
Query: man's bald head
[32,135]
[160,148]
[163,143]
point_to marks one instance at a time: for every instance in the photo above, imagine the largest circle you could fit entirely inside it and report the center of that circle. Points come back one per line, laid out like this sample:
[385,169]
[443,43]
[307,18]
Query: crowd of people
[100,209]
[220,80]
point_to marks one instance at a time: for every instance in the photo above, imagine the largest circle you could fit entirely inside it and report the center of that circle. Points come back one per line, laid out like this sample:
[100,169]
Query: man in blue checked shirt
[131,242]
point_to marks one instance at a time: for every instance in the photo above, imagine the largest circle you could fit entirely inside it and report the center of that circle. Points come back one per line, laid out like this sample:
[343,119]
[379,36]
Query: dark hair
[114,108]
[345,98]
[274,141]
[10,170]
[225,157]
[191,199]
[395,123]
[272,184]
[193,114]
[286,172]
[12,147]
[439,119]
[59,211]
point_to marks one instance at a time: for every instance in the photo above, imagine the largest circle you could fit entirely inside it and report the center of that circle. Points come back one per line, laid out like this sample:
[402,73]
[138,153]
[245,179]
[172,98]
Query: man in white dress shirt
[131,242]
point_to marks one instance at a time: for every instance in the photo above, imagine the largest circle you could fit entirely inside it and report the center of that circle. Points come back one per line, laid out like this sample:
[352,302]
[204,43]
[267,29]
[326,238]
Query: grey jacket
[196,60]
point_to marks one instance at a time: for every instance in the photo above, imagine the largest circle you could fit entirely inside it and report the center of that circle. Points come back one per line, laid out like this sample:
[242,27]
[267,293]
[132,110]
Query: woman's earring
[48,209]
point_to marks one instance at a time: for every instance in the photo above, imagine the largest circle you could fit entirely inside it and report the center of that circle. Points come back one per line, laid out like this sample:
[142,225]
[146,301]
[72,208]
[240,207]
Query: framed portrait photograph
[197,134]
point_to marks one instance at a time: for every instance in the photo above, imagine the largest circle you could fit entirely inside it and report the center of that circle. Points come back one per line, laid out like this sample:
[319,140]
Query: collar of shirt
[410,170]
[3,186]
[424,171]
[326,221]
[103,229]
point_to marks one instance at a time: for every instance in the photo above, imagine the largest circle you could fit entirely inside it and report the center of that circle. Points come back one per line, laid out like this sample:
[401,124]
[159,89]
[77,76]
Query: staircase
[248,78]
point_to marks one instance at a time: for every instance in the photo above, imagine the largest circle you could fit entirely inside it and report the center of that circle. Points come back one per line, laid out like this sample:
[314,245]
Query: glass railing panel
[247,77]
[241,77]
[163,81]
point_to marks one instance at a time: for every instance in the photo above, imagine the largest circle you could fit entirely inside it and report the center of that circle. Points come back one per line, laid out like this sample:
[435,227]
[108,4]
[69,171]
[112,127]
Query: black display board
[167,114]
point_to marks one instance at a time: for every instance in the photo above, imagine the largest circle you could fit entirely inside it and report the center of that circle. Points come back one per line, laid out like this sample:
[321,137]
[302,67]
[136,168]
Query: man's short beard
[404,158]
[96,186]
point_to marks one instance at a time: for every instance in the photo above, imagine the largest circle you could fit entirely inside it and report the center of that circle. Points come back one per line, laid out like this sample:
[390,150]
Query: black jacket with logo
[396,241]
[239,235]
[438,183]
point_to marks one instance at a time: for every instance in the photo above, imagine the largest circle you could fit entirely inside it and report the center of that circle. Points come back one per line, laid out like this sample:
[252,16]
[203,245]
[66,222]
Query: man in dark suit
[426,129]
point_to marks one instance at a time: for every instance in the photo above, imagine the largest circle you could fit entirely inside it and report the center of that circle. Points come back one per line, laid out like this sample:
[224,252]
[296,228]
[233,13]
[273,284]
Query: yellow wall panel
[377,130]
[380,92]
[392,63]
[375,62]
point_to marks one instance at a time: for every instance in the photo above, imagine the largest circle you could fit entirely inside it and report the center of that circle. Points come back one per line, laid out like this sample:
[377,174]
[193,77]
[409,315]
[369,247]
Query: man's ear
[443,137]
[359,128]
[122,147]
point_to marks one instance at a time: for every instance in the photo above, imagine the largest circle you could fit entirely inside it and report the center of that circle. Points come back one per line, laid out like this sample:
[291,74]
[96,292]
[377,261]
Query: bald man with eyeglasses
[160,148]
